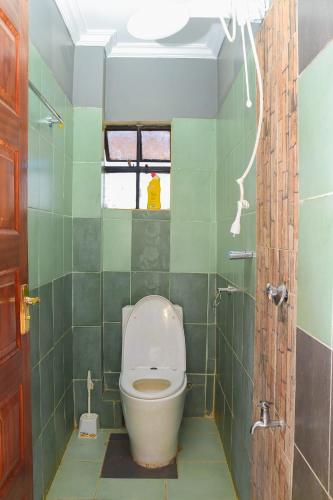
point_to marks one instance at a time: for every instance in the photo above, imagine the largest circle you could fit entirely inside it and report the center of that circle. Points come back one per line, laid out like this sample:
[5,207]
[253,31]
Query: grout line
[313,337]
[311,469]
[317,197]
[165,495]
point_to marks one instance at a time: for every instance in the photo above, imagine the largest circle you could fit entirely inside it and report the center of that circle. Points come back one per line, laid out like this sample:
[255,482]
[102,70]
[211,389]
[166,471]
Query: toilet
[153,379]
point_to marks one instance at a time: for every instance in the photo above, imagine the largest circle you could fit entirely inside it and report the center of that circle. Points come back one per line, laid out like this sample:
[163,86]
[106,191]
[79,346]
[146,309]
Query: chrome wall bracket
[229,290]
[241,254]
[277,294]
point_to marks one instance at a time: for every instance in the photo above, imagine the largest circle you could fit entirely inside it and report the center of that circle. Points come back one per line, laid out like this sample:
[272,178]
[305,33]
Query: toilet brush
[89,422]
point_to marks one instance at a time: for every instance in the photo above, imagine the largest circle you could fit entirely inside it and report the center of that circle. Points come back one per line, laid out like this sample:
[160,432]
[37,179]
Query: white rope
[242,203]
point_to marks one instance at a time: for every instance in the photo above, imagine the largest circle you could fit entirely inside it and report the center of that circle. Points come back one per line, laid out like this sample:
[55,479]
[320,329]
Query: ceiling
[104,23]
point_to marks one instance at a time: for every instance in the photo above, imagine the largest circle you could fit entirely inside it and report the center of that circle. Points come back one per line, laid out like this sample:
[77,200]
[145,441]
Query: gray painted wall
[315,23]
[229,63]
[89,76]
[50,36]
[160,89]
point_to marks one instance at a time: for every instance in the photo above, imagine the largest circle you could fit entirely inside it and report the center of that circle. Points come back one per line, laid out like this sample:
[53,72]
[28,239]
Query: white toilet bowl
[153,380]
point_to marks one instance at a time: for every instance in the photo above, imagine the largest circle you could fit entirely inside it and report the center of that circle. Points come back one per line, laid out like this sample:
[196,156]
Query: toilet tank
[153,335]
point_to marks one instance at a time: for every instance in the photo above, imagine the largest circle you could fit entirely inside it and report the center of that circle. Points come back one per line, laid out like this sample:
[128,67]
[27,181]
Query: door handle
[31,301]
[26,302]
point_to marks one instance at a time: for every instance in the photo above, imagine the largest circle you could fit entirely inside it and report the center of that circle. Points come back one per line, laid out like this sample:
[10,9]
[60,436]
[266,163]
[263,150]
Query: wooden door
[15,411]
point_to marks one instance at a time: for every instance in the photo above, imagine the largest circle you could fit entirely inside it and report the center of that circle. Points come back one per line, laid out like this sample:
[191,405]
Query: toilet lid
[153,336]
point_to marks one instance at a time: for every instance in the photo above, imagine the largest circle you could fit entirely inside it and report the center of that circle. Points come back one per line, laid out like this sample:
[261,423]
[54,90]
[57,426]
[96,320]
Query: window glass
[119,190]
[155,145]
[122,145]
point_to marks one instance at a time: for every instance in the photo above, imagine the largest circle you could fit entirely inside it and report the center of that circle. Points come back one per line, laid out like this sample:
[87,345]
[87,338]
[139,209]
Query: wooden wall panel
[277,219]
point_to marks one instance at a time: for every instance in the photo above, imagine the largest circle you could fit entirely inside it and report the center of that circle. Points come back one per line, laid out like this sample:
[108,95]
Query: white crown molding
[100,38]
[81,35]
[73,18]
[214,38]
[154,49]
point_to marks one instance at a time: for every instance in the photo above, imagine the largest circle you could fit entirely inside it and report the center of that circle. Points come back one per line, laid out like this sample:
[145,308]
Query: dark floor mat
[118,463]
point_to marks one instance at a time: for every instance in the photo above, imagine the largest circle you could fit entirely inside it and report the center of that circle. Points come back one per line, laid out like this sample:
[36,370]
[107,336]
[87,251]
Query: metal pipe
[242,254]
[57,118]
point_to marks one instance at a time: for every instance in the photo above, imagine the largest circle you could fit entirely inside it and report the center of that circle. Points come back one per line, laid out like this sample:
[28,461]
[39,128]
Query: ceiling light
[156,22]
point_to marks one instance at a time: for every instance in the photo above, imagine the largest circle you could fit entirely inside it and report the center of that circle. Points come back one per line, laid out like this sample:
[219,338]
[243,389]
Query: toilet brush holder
[89,422]
[89,425]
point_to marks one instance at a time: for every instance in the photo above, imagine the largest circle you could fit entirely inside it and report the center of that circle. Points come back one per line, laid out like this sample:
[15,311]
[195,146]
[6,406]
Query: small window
[132,154]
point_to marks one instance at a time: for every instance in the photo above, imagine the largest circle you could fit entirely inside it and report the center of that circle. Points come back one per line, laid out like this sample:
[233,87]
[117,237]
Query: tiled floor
[203,473]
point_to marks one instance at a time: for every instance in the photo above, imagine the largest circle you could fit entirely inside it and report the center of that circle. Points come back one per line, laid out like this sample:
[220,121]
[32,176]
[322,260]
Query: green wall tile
[116,294]
[88,134]
[50,256]
[86,190]
[196,344]
[112,341]
[190,291]
[33,169]
[148,283]
[315,268]
[86,299]
[58,371]
[46,174]
[150,245]
[191,195]
[86,244]
[315,126]
[58,180]
[193,144]
[68,244]
[68,185]
[117,242]
[151,214]
[195,402]
[116,214]
[37,469]
[34,110]
[87,352]
[33,241]
[58,308]
[46,247]
[58,221]
[47,388]
[190,247]
[49,459]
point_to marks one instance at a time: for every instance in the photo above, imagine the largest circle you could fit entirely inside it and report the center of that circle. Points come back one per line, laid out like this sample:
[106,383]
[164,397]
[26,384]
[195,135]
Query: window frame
[136,168]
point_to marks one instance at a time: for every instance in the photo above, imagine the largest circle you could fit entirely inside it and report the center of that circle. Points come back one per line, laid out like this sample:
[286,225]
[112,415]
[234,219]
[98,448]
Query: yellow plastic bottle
[154,193]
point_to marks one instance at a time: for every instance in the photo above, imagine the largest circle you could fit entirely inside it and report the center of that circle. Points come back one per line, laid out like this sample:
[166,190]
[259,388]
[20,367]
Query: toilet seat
[130,378]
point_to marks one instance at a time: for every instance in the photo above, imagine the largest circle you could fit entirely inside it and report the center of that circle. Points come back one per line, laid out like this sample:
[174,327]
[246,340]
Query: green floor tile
[202,470]
[130,489]
[201,447]
[75,480]
[201,481]
[91,450]
[198,425]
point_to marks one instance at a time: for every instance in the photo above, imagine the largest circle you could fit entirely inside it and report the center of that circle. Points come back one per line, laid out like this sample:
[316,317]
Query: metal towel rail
[50,120]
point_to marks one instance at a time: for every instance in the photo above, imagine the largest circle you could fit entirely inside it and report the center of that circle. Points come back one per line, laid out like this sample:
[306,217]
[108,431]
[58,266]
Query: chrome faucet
[265,419]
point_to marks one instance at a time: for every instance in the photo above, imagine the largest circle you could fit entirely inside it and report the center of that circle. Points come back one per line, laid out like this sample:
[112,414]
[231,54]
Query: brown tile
[313,371]
[305,483]
[331,444]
